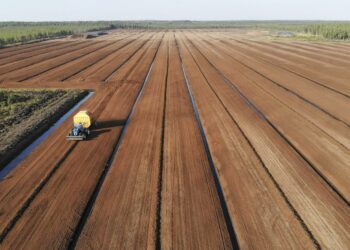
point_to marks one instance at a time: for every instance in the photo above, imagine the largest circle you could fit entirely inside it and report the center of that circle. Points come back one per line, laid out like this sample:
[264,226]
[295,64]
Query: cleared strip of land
[130,190]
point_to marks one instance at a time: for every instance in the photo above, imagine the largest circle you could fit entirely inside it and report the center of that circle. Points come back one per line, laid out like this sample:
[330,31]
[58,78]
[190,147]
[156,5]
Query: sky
[78,10]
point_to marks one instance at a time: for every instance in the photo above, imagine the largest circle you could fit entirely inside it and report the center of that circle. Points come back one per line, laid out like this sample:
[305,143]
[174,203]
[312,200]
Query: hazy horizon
[166,10]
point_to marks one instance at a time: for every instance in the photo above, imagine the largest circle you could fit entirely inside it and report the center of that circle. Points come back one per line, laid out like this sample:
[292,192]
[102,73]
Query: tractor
[82,123]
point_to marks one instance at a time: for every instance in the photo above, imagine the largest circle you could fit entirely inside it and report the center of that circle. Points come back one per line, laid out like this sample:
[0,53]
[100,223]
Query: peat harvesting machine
[82,123]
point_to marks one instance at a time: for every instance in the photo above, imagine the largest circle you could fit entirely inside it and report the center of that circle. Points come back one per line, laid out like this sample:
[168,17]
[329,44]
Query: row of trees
[329,31]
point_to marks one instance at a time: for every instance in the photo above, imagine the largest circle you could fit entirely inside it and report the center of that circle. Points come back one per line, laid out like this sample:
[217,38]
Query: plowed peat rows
[332,57]
[333,78]
[84,53]
[204,140]
[103,69]
[329,50]
[186,165]
[308,143]
[9,67]
[339,50]
[130,220]
[279,158]
[345,48]
[242,175]
[41,67]
[313,61]
[331,102]
[87,170]
[37,51]
[336,129]
[333,60]
[72,68]
[7,52]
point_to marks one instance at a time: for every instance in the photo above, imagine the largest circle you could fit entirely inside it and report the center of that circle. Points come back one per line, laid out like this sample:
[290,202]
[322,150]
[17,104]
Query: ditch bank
[32,120]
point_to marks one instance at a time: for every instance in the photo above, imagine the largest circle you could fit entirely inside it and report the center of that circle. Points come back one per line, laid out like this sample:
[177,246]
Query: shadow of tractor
[101,127]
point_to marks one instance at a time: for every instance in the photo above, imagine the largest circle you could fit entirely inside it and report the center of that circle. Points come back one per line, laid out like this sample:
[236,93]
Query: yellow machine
[83,117]
[81,130]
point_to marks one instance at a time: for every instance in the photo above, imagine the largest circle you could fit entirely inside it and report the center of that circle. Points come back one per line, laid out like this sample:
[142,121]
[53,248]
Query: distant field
[24,114]
[22,32]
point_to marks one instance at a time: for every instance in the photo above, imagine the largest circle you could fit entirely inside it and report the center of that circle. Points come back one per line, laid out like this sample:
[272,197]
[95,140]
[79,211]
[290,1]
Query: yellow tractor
[82,123]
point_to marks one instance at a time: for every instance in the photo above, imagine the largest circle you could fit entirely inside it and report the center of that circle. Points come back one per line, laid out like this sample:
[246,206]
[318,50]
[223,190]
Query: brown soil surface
[205,139]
